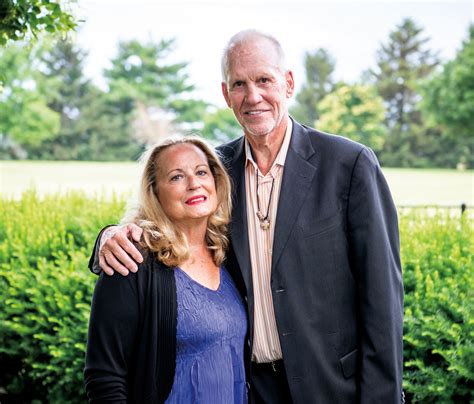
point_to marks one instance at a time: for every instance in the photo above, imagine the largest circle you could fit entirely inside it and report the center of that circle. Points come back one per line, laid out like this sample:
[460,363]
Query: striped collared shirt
[266,343]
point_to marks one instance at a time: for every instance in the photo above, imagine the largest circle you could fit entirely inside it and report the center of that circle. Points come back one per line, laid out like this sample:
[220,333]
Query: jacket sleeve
[375,262]
[113,327]
[94,259]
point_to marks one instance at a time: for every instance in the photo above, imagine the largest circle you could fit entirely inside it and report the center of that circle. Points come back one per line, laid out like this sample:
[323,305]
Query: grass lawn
[409,186]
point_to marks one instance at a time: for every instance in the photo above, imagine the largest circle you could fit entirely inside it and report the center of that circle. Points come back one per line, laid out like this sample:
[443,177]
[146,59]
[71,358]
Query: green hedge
[438,263]
[46,288]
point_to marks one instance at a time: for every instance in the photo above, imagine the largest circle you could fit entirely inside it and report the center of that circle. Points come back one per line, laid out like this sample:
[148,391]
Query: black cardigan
[131,347]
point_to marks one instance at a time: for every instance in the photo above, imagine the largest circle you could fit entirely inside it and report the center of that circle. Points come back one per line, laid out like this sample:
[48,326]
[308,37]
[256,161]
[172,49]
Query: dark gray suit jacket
[336,275]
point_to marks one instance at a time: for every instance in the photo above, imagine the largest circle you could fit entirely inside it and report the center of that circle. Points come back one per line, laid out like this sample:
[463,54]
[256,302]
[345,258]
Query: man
[314,245]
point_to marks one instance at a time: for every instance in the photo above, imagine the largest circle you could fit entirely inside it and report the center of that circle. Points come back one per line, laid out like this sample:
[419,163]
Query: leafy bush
[438,262]
[46,292]
[46,289]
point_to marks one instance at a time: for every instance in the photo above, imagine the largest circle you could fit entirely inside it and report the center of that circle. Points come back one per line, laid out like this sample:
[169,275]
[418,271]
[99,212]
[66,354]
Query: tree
[401,64]
[221,125]
[448,103]
[25,118]
[140,73]
[23,19]
[319,67]
[355,111]
[66,90]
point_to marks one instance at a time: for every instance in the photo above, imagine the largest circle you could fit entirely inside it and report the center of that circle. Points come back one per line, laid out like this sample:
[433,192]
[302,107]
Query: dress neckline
[200,284]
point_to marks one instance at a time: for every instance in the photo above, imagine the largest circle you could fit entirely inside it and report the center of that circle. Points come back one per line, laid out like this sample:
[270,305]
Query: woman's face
[185,185]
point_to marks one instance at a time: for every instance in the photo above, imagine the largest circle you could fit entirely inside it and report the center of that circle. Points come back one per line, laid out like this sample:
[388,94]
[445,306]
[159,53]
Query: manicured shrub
[438,262]
[46,289]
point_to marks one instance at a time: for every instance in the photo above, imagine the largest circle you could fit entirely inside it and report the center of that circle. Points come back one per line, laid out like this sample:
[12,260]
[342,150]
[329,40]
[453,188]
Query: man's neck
[265,148]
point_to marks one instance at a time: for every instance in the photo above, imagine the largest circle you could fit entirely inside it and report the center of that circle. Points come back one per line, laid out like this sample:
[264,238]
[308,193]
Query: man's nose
[253,94]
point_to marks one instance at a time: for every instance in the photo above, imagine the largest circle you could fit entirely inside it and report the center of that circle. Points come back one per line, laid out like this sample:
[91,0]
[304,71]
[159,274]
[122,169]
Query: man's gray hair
[247,36]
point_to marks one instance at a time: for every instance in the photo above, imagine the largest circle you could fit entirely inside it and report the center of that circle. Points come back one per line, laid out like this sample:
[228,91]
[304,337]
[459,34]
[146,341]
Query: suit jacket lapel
[238,226]
[297,178]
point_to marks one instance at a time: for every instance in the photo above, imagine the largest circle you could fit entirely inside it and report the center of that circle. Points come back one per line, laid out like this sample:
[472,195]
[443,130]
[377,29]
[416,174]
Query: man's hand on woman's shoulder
[117,252]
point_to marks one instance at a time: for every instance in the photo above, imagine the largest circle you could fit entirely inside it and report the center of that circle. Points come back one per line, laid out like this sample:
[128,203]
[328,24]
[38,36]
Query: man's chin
[258,131]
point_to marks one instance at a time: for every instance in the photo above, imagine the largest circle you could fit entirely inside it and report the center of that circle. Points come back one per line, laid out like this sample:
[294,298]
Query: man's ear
[225,93]
[290,84]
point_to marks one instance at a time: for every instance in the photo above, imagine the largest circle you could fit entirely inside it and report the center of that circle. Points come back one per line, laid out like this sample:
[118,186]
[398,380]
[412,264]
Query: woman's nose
[193,182]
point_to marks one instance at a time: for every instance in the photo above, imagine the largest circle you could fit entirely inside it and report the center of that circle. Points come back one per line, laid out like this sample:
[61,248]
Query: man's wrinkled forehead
[258,51]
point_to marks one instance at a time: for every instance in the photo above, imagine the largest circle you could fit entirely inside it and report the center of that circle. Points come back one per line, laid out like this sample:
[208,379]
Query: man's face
[256,88]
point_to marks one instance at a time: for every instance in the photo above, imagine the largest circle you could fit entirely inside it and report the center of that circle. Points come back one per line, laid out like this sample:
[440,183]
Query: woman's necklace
[264,220]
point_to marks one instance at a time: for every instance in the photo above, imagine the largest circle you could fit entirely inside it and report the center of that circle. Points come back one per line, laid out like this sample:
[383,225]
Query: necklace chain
[264,220]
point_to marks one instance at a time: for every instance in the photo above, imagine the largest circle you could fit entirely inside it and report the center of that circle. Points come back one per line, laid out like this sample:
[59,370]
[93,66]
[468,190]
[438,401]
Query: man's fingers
[117,252]
[115,264]
[135,231]
[108,270]
[121,253]
[132,252]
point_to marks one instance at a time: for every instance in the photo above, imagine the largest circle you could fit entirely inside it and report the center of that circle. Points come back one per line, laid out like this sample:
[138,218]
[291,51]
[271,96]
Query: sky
[352,31]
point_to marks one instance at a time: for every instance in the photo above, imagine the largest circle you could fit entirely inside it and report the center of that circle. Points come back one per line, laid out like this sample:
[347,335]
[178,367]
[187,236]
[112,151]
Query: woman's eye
[202,172]
[176,177]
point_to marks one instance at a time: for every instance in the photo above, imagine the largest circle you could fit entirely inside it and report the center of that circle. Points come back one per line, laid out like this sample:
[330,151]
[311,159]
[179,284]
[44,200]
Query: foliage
[438,261]
[89,129]
[355,111]
[25,118]
[140,74]
[23,19]
[449,104]
[402,63]
[221,125]
[50,110]
[46,290]
[319,67]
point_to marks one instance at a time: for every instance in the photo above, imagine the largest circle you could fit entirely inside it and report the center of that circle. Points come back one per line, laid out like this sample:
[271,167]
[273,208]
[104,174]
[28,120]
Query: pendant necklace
[264,220]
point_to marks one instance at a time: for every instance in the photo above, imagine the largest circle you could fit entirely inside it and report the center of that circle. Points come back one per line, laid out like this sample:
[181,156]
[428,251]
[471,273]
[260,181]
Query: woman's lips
[196,199]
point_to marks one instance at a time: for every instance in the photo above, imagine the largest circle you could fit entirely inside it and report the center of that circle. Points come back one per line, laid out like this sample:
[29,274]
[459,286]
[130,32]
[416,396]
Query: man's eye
[264,80]
[238,84]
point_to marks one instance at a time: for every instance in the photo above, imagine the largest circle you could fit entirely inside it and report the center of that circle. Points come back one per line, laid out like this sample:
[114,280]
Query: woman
[174,331]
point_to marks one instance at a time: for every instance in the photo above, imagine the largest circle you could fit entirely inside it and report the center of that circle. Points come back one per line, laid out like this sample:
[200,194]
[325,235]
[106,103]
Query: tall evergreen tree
[402,63]
[89,128]
[66,89]
[319,67]
[140,76]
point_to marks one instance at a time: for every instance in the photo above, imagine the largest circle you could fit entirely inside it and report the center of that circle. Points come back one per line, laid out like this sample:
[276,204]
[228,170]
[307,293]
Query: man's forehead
[253,58]
[254,48]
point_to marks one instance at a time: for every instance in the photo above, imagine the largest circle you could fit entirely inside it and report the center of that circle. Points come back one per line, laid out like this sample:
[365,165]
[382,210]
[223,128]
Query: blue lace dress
[210,342]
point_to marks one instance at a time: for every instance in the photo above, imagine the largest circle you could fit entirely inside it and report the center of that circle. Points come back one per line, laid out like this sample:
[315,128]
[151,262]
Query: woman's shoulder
[151,264]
